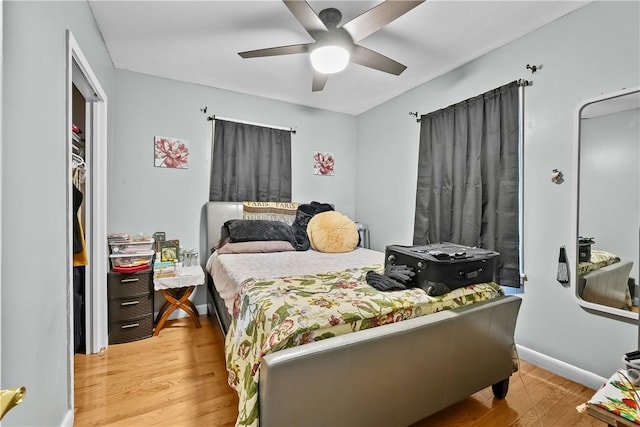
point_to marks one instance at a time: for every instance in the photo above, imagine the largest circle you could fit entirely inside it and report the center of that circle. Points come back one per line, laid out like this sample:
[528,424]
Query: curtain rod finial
[533,68]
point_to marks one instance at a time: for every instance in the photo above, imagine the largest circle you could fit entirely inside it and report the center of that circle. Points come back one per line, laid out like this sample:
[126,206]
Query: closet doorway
[86,123]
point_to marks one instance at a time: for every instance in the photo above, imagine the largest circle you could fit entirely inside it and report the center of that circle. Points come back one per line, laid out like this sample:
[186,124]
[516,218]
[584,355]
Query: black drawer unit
[130,306]
[121,331]
[122,285]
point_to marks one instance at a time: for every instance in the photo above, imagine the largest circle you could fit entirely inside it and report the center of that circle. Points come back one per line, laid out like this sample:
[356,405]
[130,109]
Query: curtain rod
[214,117]
[521,83]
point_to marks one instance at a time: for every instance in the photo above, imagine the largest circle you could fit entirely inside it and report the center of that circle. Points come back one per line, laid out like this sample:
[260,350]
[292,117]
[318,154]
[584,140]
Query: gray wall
[144,198]
[610,183]
[34,205]
[592,51]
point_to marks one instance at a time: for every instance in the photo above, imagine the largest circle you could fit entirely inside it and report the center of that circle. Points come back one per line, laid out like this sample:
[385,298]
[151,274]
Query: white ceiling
[199,41]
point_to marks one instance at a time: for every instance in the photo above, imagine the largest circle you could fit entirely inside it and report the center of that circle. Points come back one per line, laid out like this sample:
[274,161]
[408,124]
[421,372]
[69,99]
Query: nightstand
[130,306]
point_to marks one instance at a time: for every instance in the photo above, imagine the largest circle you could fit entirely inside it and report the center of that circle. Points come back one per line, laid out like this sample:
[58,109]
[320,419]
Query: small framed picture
[171,152]
[169,250]
[158,236]
[323,164]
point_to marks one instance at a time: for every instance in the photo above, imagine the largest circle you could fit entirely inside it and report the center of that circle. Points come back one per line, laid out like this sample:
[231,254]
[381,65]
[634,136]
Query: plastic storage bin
[131,246]
[131,259]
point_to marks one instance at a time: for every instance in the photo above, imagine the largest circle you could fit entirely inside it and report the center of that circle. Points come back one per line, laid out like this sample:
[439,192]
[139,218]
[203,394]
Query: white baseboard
[558,367]
[179,314]
[68,420]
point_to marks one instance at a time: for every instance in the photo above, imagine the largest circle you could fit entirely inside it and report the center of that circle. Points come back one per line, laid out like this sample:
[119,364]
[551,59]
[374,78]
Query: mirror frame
[616,312]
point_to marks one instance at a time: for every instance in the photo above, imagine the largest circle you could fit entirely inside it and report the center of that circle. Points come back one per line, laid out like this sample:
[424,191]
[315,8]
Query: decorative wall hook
[533,68]
[556,177]
[204,110]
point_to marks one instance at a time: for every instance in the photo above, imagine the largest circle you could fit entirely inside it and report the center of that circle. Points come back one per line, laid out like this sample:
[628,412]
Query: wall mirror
[607,154]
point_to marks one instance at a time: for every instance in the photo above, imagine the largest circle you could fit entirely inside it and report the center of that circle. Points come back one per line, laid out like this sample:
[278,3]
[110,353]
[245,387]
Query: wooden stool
[176,292]
[176,298]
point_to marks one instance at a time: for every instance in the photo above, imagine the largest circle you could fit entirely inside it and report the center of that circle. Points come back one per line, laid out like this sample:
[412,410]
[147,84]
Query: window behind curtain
[468,178]
[250,163]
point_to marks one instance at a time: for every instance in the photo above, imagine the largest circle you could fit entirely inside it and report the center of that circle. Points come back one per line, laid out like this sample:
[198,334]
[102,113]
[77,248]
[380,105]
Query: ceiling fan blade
[319,80]
[377,17]
[274,51]
[306,16]
[368,58]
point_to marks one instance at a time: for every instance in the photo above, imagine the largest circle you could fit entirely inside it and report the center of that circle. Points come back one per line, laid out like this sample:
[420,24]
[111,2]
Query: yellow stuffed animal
[332,232]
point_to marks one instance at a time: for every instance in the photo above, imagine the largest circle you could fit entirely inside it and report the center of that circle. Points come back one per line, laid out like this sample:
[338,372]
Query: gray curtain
[250,163]
[468,178]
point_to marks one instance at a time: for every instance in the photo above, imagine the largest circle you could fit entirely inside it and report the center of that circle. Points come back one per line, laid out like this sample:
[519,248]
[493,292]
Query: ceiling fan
[335,46]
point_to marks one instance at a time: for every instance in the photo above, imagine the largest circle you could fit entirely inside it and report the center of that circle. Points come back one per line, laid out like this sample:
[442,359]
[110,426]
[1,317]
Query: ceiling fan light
[329,59]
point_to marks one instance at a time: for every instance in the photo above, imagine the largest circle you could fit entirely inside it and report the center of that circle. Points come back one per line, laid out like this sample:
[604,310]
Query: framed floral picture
[323,163]
[171,152]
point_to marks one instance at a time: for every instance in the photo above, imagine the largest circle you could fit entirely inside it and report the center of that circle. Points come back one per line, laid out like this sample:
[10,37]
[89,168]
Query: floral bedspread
[274,314]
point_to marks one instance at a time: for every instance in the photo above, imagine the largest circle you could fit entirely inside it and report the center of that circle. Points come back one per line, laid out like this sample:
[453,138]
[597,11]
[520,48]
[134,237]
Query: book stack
[164,269]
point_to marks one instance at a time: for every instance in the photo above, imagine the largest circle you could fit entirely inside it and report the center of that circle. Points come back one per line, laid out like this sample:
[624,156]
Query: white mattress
[230,270]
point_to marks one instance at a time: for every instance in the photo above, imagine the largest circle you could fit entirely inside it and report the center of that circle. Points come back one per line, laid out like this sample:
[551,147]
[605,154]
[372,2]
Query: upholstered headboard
[220,212]
[217,214]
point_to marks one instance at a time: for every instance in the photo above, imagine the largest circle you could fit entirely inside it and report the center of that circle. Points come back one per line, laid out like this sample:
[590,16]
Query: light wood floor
[179,379]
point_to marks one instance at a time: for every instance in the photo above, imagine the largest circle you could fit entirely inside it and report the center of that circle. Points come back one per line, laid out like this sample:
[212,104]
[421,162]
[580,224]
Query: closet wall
[78,191]
[35,201]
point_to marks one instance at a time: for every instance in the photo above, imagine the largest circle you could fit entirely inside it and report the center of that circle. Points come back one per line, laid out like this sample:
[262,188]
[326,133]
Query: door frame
[1,144]
[79,72]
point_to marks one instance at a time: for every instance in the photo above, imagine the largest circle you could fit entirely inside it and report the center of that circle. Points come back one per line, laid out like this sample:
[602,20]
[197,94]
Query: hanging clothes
[79,247]
[80,258]
[78,309]
[79,262]
[78,179]
[77,234]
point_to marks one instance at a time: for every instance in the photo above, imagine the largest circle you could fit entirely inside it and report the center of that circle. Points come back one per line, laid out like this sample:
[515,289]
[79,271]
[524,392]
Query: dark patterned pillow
[251,230]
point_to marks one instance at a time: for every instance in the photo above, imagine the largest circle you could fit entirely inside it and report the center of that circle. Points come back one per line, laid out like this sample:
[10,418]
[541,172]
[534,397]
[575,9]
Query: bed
[392,369]
[604,279]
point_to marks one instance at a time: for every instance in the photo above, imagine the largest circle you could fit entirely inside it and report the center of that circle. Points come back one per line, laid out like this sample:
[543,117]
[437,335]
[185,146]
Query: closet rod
[214,117]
